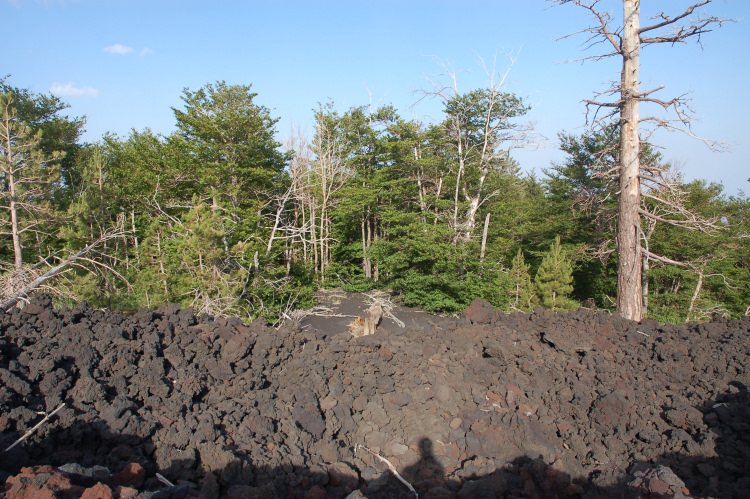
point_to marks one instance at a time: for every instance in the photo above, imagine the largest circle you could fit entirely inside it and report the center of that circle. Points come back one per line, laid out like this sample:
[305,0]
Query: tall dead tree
[328,173]
[482,129]
[626,42]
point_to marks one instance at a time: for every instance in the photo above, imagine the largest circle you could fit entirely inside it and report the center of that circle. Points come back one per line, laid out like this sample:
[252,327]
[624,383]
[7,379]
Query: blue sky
[124,63]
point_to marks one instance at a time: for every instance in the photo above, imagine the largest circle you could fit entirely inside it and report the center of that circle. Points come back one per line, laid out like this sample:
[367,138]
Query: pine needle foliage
[554,279]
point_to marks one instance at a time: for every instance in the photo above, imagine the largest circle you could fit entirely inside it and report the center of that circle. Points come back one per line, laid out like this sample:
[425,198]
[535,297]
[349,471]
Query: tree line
[221,217]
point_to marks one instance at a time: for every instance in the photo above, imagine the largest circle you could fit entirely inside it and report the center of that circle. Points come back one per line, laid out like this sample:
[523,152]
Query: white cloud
[68,90]
[118,49]
[146,51]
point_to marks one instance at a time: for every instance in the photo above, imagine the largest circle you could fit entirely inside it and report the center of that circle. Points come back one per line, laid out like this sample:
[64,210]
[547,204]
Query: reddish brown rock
[131,476]
[98,491]
[657,487]
[23,489]
[315,493]
[126,492]
[41,482]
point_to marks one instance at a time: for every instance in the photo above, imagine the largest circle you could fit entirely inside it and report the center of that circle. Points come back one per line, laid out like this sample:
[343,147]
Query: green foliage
[720,255]
[34,140]
[553,279]
[220,219]
[438,293]
[522,292]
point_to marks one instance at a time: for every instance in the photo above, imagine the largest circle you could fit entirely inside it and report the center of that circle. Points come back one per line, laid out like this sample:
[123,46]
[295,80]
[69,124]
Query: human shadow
[711,455]
[723,475]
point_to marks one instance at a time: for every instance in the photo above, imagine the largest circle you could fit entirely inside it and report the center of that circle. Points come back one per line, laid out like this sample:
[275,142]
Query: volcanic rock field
[164,404]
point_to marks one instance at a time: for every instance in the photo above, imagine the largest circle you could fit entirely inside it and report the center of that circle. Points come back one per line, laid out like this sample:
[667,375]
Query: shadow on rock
[712,445]
[487,405]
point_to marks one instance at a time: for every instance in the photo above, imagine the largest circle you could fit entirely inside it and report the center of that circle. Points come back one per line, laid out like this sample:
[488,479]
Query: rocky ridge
[582,404]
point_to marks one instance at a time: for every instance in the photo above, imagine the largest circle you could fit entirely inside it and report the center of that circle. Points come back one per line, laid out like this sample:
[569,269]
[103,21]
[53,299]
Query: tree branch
[22,293]
[668,20]
[668,261]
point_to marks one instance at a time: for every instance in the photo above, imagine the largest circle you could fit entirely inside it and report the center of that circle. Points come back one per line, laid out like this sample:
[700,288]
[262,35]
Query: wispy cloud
[146,51]
[68,90]
[118,49]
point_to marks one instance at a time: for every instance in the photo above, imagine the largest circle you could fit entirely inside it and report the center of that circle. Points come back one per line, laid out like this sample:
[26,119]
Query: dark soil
[539,405]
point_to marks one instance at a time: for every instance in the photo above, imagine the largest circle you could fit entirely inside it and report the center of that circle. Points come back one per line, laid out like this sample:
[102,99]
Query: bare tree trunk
[100,184]
[17,248]
[304,224]
[8,139]
[277,220]
[375,271]
[629,290]
[161,262]
[474,203]
[287,259]
[484,237]
[437,198]
[367,267]
[314,236]
[135,236]
[323,239]
[697,292]
[458,184]
[644,285]
[323,214]
[421,187]
[39,245]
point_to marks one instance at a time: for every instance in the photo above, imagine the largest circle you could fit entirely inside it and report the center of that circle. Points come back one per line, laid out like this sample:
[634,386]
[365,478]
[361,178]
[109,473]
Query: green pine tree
[554,279]
[522,294]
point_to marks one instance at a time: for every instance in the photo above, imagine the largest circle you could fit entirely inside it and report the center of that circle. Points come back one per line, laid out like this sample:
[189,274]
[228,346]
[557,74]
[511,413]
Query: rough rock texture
[536,405]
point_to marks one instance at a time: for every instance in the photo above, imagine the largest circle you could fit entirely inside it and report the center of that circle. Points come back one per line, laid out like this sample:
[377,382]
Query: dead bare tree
[626,42]
[479,127]
[328,172]
[290,217]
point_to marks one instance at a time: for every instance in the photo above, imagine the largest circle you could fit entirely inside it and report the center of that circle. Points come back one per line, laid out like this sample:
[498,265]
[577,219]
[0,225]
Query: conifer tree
[29,172]
[522,293]
[553,279]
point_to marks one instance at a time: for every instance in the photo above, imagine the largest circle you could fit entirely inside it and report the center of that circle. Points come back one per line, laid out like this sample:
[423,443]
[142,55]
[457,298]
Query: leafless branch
[661,259]
[601,29]
[390,467]
[12,294]
[682,33]
[36,427]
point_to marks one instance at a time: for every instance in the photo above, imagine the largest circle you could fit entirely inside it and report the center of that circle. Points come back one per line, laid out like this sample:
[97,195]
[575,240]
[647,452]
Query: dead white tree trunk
[282,206]
[484,237]
[629,265]
[481,129]
[626,42]
[697,292]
